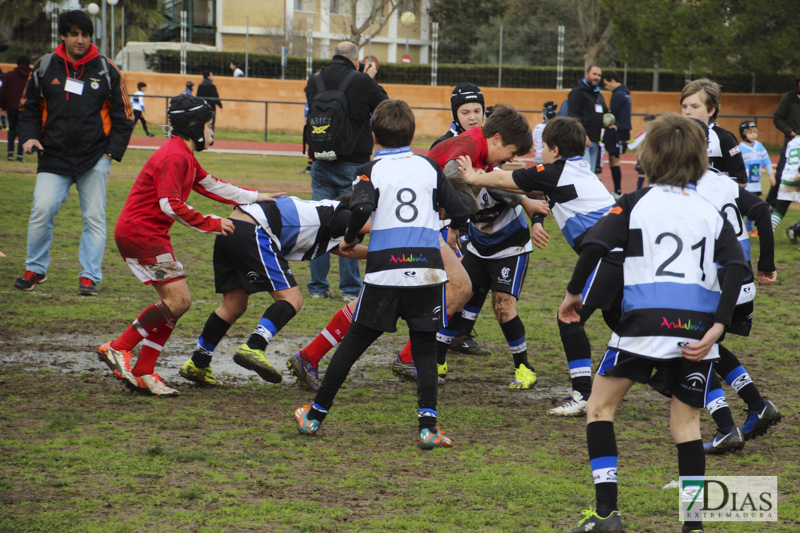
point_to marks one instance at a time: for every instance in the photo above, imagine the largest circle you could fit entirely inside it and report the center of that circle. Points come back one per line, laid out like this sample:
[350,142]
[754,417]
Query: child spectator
[755,157]
[673,241]
[404,273]
[137,103]
[157,199]
[255,259]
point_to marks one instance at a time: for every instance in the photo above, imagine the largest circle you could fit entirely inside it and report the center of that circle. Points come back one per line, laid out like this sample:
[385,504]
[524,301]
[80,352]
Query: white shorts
[789,193]
[158,273]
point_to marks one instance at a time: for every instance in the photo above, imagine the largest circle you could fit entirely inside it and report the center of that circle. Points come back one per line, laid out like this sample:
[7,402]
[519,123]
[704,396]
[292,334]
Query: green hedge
[269,66]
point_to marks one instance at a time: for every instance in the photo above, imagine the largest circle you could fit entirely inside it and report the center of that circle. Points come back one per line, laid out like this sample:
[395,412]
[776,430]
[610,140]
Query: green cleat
[594,522]
[202,376]
[255,360]
[524,378]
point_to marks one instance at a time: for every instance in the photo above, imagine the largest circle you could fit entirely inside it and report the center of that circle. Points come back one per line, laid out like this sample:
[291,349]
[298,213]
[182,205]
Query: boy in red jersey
[156,201]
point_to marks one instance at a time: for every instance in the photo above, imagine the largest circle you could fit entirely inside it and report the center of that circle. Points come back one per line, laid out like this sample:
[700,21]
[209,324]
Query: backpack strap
[343,85]
[348,80]
[39,74]
[318,83]
[105,73]
[44,63]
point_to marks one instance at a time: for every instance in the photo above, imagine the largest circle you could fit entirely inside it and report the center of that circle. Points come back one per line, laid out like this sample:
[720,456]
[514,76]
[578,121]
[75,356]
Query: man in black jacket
[208,92]
[330,179]
[587,105]
[76,113]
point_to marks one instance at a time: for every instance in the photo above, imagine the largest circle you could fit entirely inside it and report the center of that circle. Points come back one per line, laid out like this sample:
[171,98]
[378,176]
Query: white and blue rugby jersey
[577,197]
[405,191]
[302,229]
[755,156]
[724,194]
[724,153]
[497,230]
[673,240]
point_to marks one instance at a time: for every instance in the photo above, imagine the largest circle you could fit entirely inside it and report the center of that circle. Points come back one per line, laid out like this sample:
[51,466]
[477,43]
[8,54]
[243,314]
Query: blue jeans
[330,179]
[591,154]
[51,191]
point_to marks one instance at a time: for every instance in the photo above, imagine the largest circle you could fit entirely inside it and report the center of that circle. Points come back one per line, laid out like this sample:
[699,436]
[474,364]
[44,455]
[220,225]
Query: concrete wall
[251,116]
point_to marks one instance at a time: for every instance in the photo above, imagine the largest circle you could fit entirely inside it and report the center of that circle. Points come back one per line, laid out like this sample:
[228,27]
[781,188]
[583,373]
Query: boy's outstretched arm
[499,179]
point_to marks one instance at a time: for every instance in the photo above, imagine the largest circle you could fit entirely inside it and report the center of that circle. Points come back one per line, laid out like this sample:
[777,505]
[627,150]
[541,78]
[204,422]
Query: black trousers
[137,116]
[355,343]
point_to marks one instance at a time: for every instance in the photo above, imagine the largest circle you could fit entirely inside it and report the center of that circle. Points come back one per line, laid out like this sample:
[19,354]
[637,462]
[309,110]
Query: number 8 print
[404,203]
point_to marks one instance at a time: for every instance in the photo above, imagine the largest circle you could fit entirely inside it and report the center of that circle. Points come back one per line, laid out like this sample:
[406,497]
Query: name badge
[74,86]
[598,108]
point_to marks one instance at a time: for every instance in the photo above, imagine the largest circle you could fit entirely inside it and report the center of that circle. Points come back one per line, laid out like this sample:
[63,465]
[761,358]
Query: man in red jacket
[76,113]
[10,94]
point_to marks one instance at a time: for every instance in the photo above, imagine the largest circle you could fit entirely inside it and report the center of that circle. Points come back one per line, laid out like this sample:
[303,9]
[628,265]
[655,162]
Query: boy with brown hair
[701,99]
[404,275]
[496,254]
[673,239]
[577,199]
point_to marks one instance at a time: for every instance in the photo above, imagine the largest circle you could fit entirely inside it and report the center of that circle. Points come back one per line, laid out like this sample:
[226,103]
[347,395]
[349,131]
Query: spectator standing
[188,89]
[10,95]
[787,119]
[88,123]
[137,103]
[330,179]
[208,92]
[237,72]
[621,109]
[587,105]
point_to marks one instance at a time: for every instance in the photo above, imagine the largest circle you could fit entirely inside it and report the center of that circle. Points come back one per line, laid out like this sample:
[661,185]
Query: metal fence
[729,122]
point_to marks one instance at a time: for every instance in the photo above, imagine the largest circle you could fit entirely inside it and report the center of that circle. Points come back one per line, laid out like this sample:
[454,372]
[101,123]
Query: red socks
[405,354]
[155,325]
[329,337]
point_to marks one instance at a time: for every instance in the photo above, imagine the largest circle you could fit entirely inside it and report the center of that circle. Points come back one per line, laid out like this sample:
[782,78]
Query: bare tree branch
[377,10]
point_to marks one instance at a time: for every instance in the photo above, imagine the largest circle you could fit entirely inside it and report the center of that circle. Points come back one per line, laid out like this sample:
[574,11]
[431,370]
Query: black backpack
[328,131]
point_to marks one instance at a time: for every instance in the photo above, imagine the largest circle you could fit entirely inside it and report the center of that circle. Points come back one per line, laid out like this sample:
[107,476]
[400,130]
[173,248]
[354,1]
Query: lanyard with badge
[74,85]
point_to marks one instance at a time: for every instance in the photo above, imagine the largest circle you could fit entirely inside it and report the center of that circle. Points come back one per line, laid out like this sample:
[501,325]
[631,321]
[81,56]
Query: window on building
[341,7]
[308,6]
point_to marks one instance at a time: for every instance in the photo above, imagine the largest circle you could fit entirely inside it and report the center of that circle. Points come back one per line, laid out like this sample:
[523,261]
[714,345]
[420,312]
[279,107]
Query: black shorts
[603,289]
[686,380]
[250,260]
[616,149]
[742,320]
[423,308]
[500,275]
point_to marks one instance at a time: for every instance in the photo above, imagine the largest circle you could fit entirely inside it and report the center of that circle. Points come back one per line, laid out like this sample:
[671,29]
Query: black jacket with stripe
[75,130]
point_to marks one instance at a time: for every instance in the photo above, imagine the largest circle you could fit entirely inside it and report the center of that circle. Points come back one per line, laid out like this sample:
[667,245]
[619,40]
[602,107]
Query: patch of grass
[77,454]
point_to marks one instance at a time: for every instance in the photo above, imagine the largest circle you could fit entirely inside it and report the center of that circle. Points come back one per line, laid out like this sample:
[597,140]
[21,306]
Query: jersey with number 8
[406,191]
[673,240]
